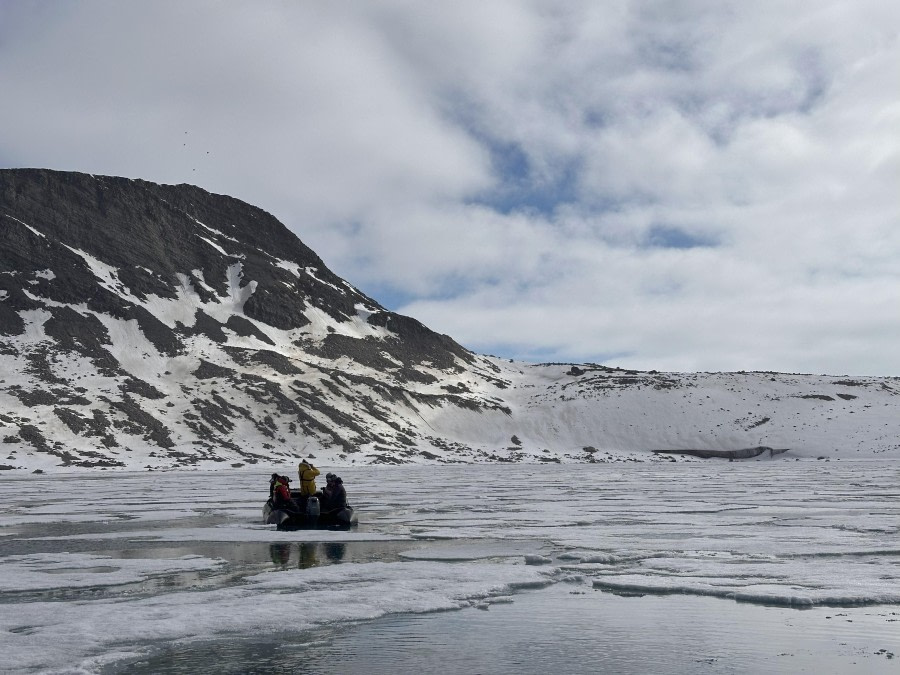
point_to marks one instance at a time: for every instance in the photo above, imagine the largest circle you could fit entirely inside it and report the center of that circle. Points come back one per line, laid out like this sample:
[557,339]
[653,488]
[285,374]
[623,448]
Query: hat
[329,476]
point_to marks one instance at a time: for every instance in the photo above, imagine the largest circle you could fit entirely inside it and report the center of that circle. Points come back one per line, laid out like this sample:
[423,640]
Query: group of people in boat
[331,498]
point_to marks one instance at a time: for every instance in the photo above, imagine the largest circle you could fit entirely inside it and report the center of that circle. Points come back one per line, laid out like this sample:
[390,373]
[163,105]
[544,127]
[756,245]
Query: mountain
[160,326]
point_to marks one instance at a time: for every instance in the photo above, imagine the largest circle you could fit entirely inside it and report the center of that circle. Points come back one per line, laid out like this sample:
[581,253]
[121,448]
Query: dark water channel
[240,559]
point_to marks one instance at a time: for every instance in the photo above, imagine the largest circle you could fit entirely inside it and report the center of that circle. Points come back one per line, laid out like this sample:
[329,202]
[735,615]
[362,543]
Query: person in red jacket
[281,492]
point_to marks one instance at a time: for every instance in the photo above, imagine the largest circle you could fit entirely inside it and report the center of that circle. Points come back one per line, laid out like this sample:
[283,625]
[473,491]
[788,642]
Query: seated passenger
[281,493]
[325,493]
[334,496]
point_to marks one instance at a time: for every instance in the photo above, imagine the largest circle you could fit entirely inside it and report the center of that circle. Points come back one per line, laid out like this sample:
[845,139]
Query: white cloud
[516,169]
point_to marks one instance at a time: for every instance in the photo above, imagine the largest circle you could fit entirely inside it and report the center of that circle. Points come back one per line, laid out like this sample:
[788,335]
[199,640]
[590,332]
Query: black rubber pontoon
[308,515]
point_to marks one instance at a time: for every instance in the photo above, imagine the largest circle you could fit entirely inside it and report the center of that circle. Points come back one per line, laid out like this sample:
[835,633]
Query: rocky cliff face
[180,326]
[155,326]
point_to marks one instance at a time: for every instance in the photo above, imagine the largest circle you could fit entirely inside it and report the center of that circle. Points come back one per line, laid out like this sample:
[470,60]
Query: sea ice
[430,538]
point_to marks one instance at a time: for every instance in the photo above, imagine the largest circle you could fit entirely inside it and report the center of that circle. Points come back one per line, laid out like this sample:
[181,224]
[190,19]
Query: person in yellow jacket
[307,473]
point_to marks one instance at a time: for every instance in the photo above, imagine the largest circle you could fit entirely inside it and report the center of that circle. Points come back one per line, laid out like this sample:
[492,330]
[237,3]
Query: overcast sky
[678,184]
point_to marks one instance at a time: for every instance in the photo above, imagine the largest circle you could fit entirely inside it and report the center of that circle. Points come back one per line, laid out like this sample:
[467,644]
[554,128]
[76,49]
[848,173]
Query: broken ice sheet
[42,571]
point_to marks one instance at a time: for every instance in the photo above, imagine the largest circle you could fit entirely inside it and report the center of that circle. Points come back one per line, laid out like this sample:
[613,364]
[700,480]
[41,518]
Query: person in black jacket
[334,496]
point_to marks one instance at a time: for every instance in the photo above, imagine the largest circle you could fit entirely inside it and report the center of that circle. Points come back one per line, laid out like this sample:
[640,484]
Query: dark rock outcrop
[164,317]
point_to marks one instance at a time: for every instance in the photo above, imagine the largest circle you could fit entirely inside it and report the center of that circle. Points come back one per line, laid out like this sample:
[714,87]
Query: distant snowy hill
[155,326]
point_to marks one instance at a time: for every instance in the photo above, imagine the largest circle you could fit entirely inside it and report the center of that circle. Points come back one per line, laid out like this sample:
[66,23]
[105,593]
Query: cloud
[664,185]
[304,103]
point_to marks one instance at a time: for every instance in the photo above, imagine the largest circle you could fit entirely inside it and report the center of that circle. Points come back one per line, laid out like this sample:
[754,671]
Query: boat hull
[285,519]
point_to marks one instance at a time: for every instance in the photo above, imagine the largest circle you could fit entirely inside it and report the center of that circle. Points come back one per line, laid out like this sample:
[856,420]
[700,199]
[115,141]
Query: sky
[671,185]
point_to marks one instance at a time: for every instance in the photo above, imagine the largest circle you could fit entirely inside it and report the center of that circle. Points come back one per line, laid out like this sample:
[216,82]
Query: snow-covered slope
[144,325]
[592,412]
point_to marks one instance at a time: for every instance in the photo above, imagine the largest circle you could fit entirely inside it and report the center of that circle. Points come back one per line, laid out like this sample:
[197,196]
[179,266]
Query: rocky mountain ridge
[157,326]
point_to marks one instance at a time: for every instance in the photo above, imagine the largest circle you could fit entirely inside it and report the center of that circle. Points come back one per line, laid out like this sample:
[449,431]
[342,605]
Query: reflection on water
[280,554]
[335,551]
[312,553]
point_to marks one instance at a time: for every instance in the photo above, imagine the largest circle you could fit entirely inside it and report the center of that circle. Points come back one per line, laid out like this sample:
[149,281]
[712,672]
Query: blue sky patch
[665,236]
[519,188]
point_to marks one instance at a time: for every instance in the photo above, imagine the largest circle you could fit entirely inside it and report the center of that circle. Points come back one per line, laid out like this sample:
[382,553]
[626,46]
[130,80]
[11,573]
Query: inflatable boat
[308,514]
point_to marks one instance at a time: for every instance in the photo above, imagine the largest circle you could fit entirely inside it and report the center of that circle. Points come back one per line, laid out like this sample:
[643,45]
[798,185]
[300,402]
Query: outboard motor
[312,507]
